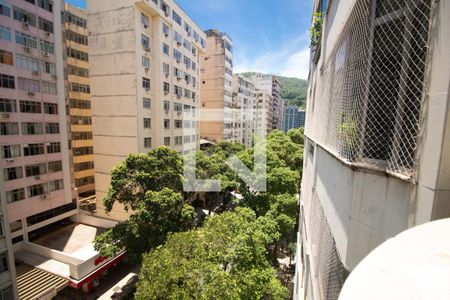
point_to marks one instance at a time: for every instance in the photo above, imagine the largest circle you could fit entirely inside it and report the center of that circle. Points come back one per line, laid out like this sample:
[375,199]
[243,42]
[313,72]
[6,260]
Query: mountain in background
[293,90]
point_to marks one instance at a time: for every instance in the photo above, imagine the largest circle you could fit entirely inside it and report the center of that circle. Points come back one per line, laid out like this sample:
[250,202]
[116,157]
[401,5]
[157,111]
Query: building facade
[243,103]
[77,66]
[37,188]
[216,86]
[293,117]
[144,74]
[377,134]
[269,84]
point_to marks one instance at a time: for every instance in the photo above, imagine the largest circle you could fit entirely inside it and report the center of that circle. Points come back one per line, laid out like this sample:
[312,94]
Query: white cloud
[291,60]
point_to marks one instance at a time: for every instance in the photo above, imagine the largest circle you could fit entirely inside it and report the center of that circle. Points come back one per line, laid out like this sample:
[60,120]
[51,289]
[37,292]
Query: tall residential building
[77,66]
[263,112]
[271,85]
[243,103]
[36,186]
[293,117]
[216,85]
[377,135]
[144,73]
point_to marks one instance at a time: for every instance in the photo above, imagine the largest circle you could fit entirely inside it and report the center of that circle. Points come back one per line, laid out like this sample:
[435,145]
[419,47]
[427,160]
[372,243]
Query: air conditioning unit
[25,24]
[37,177]
[26,49]
[146,70]
[147,89]
[167,74]
[5,116]
[178,42]
[10,160]
[147,49]
[166,92]
[145,26]
[30,93]
[166,13]
[45,54]
[44,196]
[35,72]
[166,34]
[178,95]
[179,112]
[47,33]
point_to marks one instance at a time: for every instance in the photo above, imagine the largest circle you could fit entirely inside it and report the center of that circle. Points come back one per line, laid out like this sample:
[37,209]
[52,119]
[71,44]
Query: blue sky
[269,36]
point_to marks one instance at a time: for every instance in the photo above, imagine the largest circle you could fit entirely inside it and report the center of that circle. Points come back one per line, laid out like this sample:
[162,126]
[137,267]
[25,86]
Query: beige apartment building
[263,112]
[270,84]
[243,103]
[144,74]
[216,86]
[377,134]
[77,66]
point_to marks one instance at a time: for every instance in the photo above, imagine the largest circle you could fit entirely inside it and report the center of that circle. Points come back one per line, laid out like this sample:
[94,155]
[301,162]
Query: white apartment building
[216,86]
[377,135]
[144,73]
[243,103]
[271,85]
[36,185]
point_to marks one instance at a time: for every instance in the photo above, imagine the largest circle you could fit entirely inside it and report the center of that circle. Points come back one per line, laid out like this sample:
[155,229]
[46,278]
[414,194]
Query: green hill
[293,90]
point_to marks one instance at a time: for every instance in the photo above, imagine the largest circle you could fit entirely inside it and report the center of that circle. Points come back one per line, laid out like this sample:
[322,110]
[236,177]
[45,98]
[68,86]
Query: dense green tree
[297,135]
[155,215]
[224,259]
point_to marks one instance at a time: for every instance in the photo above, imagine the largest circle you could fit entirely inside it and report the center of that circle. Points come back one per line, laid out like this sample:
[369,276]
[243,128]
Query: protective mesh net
[367,107]
[328,269]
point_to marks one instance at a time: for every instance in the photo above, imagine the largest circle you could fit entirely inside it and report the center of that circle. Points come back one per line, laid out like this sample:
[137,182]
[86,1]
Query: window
[194,51]
[194,66]
[13,173]
[178,107]
[187,108]
[35,170]
[76,20]
[145,42]
[187,77]
[15,195]
[85,181]
[27,63]
[202,43]
[187,139]
[77,54]
[54,147]
[55,185]
[30,128]
[81,135]
[28,85]
[166,105]
[24,16]
[145,20]
[146,103]
[48,5]
[166,69]
[187,124]
[10,151]
[178,91]
[146,83]
[80,120]
[177,55]
[83,166]
[148,142]
[4,268]
[177,37]
[76,37]
[165,8]
[178,73]
[6,57]
[47,25]
[178,140]
[26,40]
[176,17]
[7,105]
[166,49]
[80,104]
[166,124]
[187,28]
[178,123]
[187,93]
[147,123]
[5,33]
[74,70]
[52,128]
[33,149]
[186,44]
[48,67]
[54,166]
[49,88]
[166,87]
[145,62]
[167,141]
[78,87]
[30,107]
[5,9]
[36,190]
[7,81]
[50,108]
[9,128]
[83,151]
[165,29]
[187,62]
